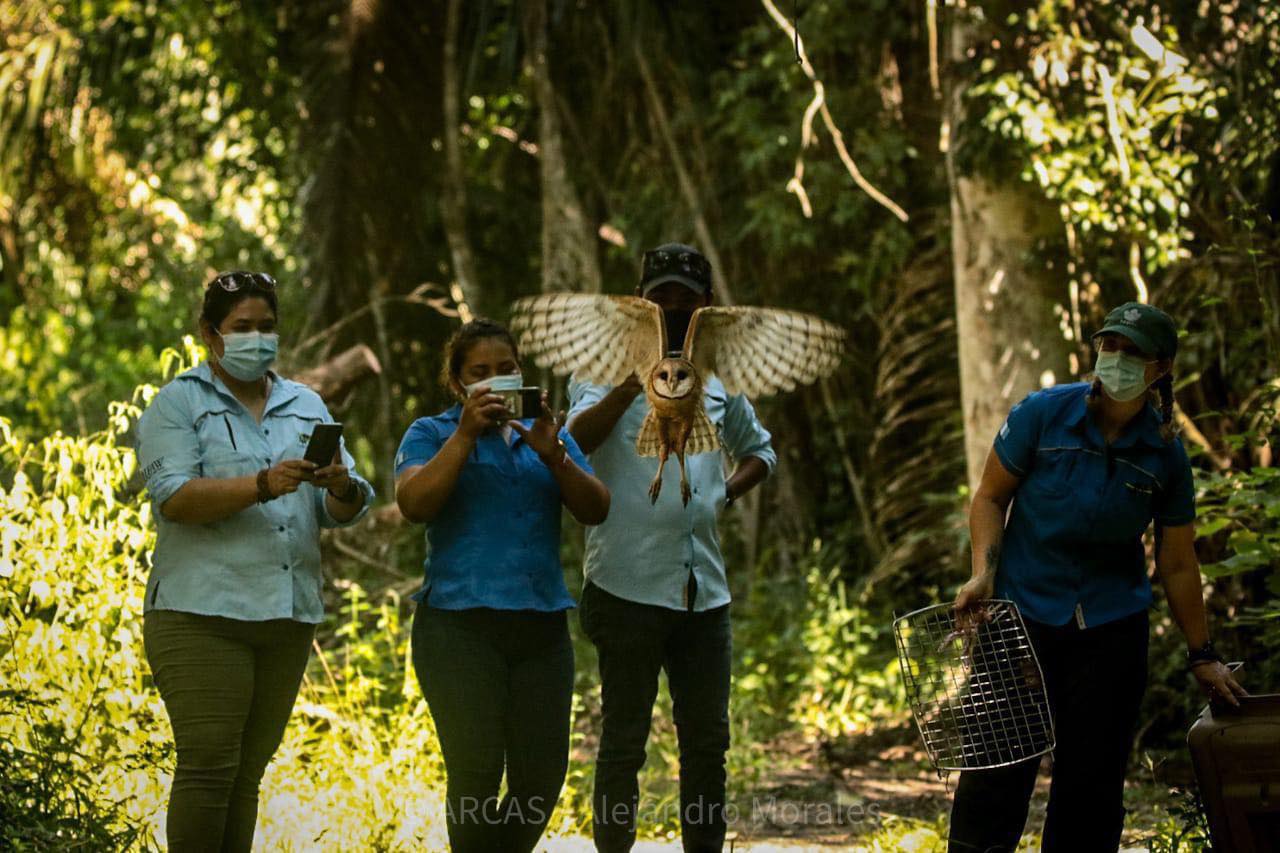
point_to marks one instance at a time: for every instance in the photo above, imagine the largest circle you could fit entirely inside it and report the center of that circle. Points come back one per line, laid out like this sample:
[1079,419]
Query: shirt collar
[282,391]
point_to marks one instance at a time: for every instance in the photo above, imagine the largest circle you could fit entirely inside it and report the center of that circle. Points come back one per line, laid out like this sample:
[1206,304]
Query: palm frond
[916,448]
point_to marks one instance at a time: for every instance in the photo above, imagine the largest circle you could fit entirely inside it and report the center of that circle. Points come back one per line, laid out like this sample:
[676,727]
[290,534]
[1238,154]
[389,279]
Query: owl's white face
[673,379]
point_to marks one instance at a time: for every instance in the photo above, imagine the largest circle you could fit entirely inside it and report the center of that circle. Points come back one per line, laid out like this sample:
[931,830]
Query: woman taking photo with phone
[490,638]
[1088,467]
[234,592]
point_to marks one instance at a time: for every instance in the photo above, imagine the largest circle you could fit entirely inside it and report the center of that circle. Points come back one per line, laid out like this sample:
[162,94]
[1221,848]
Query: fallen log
[339,374]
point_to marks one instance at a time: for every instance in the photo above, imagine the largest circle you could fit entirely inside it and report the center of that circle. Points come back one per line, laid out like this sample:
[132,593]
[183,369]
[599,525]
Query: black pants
[1095,678]
[500,687]
[229,687]
[636,641]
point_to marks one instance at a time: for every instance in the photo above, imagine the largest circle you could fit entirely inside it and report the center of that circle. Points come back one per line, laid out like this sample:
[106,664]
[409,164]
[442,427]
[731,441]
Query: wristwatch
[1205,654]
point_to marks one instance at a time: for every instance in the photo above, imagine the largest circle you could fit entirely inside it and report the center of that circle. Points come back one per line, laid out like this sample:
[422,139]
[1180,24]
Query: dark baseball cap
[1147,326]
[675,262]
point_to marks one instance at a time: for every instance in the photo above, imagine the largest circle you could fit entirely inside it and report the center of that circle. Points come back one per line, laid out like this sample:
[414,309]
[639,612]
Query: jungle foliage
[397,164]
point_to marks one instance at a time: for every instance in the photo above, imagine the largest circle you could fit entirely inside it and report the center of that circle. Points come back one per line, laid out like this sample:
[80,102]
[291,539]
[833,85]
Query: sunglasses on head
[240,279]
[661,262]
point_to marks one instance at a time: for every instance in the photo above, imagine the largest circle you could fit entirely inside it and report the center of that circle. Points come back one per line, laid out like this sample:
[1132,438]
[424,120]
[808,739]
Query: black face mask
[677,327]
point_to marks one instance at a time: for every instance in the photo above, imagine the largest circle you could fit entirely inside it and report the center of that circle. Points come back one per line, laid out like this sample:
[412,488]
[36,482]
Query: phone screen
[323,444]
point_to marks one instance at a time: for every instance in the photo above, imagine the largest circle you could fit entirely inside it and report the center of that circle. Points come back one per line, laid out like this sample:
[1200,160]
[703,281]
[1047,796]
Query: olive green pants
[229,687]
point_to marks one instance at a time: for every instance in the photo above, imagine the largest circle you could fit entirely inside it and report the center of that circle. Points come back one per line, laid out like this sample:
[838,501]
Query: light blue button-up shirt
[648,553]
[264,561]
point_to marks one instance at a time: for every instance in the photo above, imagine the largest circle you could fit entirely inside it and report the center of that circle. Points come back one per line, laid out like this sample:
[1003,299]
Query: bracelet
[264,488]
[348,496]
[1205,654]
[560,460]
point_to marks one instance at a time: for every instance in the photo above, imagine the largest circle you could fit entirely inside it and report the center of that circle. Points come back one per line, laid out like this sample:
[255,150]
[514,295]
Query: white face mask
[504,382]
[1124,376]
[248,355]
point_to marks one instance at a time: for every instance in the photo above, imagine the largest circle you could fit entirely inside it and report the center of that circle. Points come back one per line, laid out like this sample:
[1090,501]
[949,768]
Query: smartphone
[323,444]
[522,402]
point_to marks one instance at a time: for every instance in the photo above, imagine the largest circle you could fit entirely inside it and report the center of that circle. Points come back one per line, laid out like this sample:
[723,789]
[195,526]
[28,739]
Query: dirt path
[891,800]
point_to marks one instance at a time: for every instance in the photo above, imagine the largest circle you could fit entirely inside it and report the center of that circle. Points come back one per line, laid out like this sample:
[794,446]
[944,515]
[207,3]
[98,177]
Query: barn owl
[604,339]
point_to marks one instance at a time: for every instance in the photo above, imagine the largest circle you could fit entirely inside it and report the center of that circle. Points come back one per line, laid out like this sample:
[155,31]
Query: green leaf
[1236,564]
[1206,530]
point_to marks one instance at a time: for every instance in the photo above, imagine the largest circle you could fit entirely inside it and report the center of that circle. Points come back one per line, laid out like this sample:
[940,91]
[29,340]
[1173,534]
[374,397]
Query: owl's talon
[654,488]
[685,492]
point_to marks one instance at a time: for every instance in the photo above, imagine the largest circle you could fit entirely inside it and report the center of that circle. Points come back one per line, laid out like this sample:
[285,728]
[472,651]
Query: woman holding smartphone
[233,597]
[490,638]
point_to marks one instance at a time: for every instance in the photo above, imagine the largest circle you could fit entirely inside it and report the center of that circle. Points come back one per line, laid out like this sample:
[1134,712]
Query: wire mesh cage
[975,686]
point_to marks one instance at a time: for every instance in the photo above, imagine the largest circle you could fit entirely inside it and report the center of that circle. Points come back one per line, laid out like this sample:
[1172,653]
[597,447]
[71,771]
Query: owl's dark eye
[663,375]
[682,375]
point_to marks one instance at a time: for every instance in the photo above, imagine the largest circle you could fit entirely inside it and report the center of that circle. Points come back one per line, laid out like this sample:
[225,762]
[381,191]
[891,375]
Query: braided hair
[1163,387]
[461,341]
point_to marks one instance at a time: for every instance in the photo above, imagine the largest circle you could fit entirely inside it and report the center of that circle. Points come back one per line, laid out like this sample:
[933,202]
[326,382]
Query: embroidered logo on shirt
[151,470]
[1004,430]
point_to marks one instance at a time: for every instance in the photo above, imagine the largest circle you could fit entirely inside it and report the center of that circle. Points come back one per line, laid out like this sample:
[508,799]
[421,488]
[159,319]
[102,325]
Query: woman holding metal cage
[1087,467]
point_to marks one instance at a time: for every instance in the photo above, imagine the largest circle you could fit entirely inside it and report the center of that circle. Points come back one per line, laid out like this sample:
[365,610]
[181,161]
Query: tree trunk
[700,227]
[569,260]
[453,192]
[1008,299]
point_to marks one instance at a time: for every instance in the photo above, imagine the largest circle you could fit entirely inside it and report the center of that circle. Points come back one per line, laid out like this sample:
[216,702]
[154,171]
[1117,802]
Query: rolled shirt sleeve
[421,442]
[1016,443]
[744,435]
[582,396]
[168,448]
[323,515]
[1175,504]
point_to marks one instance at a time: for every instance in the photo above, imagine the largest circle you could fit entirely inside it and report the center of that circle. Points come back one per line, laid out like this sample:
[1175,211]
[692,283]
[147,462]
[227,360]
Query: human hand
[543,437]
[284,477]
[632,385]
[334,477]
[977,590]
[1217,681]
[481,411]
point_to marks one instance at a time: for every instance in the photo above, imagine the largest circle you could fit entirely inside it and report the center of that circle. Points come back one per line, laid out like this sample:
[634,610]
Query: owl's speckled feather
[604,339]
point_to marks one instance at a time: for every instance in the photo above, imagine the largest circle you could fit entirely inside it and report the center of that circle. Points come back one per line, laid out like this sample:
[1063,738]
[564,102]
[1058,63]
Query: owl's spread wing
[600,339]
[758,351]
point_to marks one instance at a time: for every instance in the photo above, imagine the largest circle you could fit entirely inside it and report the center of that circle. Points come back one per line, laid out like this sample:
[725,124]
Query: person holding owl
[490,638]
[1087,467]
[656,594]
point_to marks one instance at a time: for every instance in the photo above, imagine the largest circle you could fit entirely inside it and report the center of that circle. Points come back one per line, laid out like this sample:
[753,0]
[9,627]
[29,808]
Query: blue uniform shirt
[648,552]
[496,541]
[264,561]
[1073,542]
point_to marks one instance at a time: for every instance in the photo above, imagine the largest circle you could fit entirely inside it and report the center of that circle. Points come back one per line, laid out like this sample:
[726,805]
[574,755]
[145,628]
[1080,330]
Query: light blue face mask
[503,382]
[248,355]
[1124,376]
